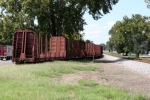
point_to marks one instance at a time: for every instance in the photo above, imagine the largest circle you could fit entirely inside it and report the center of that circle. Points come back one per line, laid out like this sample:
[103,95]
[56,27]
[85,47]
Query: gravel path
[141,67]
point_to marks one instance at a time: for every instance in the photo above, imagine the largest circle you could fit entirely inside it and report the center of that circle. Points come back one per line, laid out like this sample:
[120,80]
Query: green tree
[110,44]
[5,32]
[131,35]
[54,17]
[88,41]
[139,30]
[117,37]
[104,46]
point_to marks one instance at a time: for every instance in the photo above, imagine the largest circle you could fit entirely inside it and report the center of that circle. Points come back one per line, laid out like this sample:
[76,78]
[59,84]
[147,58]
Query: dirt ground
[112,74]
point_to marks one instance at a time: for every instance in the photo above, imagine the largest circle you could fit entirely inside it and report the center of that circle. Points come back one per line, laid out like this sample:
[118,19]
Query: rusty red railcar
[82,49]
[61,48]
[101,51]
[24,46]
[5,52]
[28,47]
[58,47]
[97,49]
[76,49]
[89,49]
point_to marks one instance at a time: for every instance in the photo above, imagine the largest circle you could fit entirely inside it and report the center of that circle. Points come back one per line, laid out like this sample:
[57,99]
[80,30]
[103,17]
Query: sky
[97,31]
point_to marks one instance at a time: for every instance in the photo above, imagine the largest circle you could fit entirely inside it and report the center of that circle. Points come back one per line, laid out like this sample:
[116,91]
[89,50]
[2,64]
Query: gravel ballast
[140,67]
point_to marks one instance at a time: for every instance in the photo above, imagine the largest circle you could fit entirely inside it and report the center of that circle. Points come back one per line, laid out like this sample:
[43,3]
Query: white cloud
[96,33]
[111,23]
[93,29]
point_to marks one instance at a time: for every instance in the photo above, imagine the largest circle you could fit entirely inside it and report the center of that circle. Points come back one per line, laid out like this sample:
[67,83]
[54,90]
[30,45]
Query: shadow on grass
[81,60]
[119,59]
[108,61]
[86,60]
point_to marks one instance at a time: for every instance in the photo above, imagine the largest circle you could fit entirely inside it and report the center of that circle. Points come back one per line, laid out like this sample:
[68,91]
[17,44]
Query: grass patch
[87,68]
[93,91]
[113,54]
[129,56]
[34,82]
[88,83]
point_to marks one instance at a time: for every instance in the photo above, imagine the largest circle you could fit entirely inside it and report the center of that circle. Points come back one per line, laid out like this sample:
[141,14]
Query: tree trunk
[147,52]
[53,21]
[137,55]
[59,30]
[53,25]
[127,53]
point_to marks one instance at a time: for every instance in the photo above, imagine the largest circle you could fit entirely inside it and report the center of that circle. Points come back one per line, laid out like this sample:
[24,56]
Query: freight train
[27,46]
[5,52]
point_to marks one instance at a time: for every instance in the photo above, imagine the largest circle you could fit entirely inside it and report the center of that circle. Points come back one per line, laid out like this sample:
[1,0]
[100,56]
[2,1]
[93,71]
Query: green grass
[88,83]
[129,56]
[146,58]
[112,53]
[34,82]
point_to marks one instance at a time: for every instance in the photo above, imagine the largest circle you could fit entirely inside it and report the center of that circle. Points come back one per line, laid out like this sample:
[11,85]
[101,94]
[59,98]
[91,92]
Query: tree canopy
[131,34]
[55,17]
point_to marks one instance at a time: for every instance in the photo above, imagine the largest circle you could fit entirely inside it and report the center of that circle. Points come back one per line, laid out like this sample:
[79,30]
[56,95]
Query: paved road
[134,65]
[5,62]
